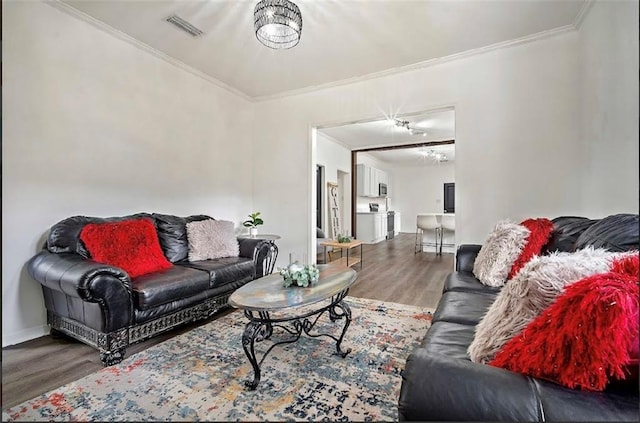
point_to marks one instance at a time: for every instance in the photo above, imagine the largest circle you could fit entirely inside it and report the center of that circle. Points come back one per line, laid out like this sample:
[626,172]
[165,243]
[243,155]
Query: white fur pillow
[531,291]
[210,239]
[499,252]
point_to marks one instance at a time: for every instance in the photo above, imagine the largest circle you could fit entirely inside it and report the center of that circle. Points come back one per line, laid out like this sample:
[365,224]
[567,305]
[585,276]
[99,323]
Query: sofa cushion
[584,338]
[562,404]
[463,307]
[131,245]
[532,290]
[211,239]
[221,271]
[436,387]
[165,286]
[449,339]
[172,231]
[465,281]
[618,232]
[499,252]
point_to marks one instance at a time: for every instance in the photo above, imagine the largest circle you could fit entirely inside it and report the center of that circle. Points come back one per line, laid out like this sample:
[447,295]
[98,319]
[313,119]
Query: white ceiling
[341,39]
[437,126]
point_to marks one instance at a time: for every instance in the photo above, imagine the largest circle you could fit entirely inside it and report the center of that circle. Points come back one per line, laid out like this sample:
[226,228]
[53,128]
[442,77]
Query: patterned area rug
[200,375]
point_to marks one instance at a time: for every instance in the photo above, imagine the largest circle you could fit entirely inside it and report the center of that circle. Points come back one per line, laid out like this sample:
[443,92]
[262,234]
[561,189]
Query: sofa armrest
[262,252]
[248,246]
[466,257]
[87,280]
[438,388]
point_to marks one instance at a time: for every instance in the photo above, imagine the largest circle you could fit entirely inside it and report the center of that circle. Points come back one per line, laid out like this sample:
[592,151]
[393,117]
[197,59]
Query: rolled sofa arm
[262,252]
[440,388]
[87,280]
[466,257]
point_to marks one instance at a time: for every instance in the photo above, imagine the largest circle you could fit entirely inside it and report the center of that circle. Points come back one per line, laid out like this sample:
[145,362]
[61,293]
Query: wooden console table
[346,261]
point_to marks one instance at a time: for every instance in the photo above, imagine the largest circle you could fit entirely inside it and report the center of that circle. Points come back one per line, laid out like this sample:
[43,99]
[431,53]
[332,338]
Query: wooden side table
[346,261]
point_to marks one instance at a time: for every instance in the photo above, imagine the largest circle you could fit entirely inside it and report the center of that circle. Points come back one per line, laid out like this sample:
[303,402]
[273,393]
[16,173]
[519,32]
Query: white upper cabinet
[369,179]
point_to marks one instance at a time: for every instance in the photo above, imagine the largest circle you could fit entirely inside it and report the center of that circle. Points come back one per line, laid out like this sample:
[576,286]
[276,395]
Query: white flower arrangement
[299,275]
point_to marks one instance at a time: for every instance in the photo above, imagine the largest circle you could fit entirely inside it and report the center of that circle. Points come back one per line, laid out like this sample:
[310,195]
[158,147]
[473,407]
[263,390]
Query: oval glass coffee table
[267,295]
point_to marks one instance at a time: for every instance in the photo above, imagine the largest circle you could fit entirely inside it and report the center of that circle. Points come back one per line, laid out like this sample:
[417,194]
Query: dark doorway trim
[402,146]
[354,156]
[354,194]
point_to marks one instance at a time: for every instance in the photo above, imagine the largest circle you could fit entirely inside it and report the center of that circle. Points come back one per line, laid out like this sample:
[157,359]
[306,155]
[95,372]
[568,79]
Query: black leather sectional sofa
[102,306]
[440,383]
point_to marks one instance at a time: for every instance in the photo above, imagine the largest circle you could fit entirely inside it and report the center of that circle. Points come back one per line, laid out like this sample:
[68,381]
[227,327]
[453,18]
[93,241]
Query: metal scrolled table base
[260,328]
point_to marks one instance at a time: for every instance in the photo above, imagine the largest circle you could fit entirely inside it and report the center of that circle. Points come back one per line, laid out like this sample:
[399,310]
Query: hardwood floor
[390,272]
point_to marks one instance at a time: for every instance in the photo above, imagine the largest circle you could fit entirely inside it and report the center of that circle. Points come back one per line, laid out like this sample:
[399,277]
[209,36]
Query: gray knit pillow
[210,239]
[499,252]
[535,287]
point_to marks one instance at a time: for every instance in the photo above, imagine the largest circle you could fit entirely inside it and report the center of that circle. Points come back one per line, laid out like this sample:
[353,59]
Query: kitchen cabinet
[371,227]
[368,180]
[396,223]
[381,226]
[383,177]
[363,180]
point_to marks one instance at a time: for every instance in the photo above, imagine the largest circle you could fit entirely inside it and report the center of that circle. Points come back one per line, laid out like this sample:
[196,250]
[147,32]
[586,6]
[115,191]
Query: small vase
[253,232]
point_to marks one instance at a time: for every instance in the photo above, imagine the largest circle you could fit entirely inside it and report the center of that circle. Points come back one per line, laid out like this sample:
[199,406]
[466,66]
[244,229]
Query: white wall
[518,152]
[93,125]
[609,86]
[334,157]
[420,189]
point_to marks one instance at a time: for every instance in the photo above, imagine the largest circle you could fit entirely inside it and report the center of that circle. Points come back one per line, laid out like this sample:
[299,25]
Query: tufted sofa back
[64,236]
[618,232]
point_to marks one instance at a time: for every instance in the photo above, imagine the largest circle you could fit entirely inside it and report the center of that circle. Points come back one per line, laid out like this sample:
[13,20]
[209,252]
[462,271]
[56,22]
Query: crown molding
[425,64]
[334,140]
[60,5]
[582,13]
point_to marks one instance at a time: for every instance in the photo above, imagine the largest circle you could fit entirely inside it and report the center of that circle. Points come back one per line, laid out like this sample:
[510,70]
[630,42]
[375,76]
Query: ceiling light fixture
[278,23]
[437,157]
[405,124]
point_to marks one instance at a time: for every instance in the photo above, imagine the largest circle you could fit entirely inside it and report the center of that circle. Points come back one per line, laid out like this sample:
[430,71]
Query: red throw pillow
[540,232]
[584,339]
[630,265]
[131,245]
[627,265]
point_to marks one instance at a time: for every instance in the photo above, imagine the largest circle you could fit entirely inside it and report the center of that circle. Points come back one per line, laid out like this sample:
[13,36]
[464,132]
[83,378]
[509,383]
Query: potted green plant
[252,223]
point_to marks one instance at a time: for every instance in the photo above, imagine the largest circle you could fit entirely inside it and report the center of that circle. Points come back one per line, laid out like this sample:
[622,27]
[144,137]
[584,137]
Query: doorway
[420,139]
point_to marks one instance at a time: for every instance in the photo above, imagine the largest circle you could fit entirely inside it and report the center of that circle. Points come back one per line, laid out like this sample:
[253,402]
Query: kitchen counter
[371,227]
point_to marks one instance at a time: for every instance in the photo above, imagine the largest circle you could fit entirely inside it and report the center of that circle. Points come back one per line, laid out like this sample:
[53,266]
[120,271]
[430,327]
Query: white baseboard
[445,250]
[24,335]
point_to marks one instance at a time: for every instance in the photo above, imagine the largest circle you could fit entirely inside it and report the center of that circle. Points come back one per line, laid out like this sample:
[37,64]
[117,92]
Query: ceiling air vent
[184,25]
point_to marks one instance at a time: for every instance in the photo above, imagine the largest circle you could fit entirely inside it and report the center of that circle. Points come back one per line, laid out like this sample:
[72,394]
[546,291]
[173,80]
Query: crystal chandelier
[278,23]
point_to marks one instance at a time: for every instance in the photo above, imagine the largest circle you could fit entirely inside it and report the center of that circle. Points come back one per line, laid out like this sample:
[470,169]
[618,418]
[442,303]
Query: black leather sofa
[440,383]
[102,306]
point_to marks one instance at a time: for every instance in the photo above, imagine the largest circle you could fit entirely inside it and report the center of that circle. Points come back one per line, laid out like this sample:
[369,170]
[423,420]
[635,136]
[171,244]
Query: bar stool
[426,222]
[448,225]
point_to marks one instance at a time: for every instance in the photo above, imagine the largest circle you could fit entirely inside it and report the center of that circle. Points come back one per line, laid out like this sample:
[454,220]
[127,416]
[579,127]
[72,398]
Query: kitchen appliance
[382,190]
[373,207]
[391,215]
